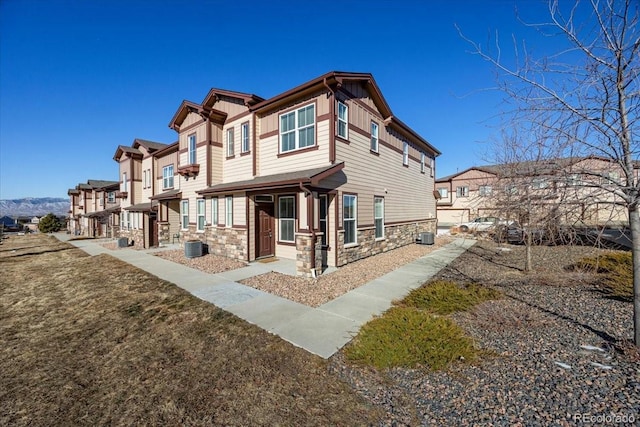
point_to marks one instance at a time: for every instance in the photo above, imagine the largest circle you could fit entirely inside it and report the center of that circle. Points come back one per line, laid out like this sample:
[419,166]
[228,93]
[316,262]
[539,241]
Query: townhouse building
[567,191]
[323,173]
[93,209]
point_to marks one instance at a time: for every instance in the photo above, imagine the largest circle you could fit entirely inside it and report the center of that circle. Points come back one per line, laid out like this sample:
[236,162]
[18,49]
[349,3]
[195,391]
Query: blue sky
[79,78]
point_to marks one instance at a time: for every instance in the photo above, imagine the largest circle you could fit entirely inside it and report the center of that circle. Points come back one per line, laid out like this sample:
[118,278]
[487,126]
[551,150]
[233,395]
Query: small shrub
[411,338]
[443,297]
[617,271]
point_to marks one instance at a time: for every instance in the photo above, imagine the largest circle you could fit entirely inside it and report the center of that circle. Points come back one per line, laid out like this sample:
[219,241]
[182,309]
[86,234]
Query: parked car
[518,235]
[484,223]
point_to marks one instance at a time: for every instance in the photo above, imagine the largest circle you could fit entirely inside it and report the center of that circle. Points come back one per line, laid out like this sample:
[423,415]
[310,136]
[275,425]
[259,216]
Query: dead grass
[94,341]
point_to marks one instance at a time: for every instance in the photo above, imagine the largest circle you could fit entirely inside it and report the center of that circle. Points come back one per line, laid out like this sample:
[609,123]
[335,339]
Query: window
[573,179]
[349,207]
[462,191]
[127,223]
[111,197]
[324,208]
[423,159]
[184,212]
[485,190]
[343,120]
[134,220]
[374,137]
[244,134]
[230,149]
[378,215]
[609,178]
[167,177]
[144,178]
[192,149]
[228,211]
[287,216]
[539,183]
[124,182]
[405,154]
[200,212]
[444,192]
[432,166]
[148,178]
[297,129]
[214,211]
[511,189]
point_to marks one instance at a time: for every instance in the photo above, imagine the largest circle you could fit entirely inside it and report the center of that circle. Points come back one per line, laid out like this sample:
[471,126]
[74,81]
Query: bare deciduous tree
[584,100]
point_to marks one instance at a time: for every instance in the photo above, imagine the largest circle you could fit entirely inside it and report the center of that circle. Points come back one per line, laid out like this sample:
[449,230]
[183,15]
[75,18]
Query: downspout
[313,231]
[332,123]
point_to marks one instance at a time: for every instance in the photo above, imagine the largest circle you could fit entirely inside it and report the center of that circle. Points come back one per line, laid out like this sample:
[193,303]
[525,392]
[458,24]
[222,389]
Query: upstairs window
[244,134]
[297,129]
[405,154]
[485,190]
[192,149]
[167,177]
[124,183]
[423,160]
[444,192]
[111,197]
[230,148]
[343,120]
[144,178]
[573,179]
[374,137]
[539,183]
[462,191]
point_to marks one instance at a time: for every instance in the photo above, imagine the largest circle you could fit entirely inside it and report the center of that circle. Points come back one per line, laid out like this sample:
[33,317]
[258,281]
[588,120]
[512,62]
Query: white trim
[201,213]
[192,149]
[374,142]
[230,142]
[343,120]
[291,219]
[244,138]
[350,219]
[228,211]
[297,129]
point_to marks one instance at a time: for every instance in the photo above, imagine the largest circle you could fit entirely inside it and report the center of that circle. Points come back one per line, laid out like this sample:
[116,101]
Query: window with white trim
[485,190]
[286,218]
[111,197]
[444,192]
[405,154]
[144,178]
[297,129]
[148,178]
[539,183]
[343,120]
[167,177]
[423,160]
[228,211]
[124,182]
[230,148]
[200,215]
[374,137]
[378,216]
[432,165]
[214,211]
[244,135]
[192,149]
[349,220]
[462,191]
[184,212]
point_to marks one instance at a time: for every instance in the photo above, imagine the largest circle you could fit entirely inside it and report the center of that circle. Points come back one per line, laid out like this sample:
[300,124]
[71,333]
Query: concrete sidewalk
[322,330]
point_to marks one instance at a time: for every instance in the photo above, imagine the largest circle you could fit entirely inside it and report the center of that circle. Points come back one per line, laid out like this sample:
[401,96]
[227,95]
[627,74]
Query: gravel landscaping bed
[208,263]
[557,351]
[315,292]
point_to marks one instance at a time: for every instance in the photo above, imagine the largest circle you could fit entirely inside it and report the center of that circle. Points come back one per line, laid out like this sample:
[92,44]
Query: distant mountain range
[31,206]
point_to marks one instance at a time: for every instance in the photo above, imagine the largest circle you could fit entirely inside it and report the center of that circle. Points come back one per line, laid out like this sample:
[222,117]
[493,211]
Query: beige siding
[270,122]
[231,106]
[239,167]
[408,193]
[301,204]
[270,163]
[239,209]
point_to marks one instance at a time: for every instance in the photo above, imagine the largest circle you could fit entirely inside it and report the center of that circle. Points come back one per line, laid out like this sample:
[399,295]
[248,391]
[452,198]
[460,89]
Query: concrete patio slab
[356,306]
[228,294]
[268,311]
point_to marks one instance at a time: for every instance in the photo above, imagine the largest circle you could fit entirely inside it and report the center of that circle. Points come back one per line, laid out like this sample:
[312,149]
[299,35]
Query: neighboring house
[137,185]
[8,222]
[93,208]
[323,173]
[568,191]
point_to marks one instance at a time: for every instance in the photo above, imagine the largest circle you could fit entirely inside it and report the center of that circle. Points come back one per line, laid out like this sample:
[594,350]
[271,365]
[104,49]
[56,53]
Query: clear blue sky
[78,78]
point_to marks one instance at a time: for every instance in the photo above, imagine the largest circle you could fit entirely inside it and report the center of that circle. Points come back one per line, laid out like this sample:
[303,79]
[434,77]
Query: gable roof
[151,146]
[215,94]
[123,149]
[170,148]
[99,183]
[187,107]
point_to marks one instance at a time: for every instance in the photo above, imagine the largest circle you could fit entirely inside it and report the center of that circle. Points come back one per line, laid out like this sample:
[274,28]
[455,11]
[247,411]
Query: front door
[265,230]
[153,229]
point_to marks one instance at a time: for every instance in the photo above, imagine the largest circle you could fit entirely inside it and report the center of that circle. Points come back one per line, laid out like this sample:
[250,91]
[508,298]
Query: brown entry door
[265,231]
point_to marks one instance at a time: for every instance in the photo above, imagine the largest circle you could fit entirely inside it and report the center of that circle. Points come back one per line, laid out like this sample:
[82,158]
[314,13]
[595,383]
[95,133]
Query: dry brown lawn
[93,341]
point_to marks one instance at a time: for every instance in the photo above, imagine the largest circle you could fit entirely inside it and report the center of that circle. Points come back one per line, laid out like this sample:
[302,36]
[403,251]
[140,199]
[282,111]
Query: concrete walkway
[322,330]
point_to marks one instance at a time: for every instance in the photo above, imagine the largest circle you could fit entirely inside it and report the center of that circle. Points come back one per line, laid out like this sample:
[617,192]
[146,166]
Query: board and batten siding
[271,122]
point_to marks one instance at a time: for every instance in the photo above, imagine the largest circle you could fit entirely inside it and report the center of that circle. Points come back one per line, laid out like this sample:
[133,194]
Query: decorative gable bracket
[189,171]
